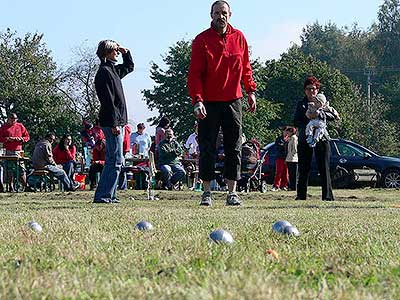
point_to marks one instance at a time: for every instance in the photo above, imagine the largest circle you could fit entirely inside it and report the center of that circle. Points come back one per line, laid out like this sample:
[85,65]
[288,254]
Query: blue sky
[148,28]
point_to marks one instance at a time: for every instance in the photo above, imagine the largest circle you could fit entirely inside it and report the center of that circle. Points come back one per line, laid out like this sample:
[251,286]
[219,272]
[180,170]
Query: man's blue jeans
[107,186]
[171,174]
[61,175]
[69,168]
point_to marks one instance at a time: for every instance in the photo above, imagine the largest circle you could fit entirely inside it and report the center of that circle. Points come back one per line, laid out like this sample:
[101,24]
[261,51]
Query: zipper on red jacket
[224,42]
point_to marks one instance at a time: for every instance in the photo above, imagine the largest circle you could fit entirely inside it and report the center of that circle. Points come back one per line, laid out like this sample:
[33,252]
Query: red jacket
[99,156]
[16,130]
[126,143]
[98,133]
[218,66]
[62,157]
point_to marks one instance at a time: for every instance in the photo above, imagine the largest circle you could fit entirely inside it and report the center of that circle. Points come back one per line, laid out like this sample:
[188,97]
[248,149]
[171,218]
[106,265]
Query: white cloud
[276,40]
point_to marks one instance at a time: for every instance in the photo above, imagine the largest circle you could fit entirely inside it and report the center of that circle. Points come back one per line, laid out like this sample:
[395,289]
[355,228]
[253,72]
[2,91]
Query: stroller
[252,178]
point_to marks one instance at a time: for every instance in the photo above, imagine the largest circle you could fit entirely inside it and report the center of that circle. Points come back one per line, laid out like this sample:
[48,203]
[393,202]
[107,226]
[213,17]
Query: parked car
[351,165]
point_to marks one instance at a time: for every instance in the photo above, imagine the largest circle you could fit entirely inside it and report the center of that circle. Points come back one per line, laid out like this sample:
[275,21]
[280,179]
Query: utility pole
[369,71]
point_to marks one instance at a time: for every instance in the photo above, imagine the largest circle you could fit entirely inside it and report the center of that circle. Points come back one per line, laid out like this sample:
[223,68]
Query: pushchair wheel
[263,186]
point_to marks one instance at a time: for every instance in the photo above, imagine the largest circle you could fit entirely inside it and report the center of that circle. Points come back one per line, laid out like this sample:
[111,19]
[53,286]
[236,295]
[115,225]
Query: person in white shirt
[192,143]
[141,141]
[292,157]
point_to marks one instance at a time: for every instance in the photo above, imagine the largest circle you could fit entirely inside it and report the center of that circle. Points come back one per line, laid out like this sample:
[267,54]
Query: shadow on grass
[312,207]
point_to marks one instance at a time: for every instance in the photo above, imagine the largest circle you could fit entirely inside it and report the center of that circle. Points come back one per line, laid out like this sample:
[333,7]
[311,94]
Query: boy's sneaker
[206,199]
[75,185]
[274,189]
[233,199]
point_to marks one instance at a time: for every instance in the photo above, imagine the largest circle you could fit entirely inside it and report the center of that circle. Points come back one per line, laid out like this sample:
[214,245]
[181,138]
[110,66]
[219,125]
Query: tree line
[359,70]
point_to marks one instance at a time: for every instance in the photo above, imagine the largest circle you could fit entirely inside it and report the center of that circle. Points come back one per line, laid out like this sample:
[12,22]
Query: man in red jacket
[12,135]
[219,63]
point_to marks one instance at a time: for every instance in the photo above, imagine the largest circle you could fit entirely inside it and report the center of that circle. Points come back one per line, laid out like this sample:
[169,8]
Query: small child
[316,128]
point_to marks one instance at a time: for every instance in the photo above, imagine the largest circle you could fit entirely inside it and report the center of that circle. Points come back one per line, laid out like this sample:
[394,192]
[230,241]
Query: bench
[41,180]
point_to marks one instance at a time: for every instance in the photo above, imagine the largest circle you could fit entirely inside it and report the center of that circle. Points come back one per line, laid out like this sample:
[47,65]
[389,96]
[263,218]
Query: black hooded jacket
[109,90]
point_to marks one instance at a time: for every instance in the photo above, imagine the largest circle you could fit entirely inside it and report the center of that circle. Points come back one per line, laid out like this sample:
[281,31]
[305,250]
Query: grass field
[348,249]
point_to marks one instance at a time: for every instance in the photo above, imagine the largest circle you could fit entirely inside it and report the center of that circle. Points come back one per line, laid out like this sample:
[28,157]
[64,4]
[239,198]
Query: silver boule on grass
[280,225]
[221,236]
[35,226]
[144,226]
[291,231]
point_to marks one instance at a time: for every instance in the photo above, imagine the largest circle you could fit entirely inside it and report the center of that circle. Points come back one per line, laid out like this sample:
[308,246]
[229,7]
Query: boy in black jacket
[113,114]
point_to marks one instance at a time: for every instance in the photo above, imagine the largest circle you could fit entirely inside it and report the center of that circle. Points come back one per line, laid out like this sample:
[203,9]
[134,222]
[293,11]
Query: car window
[334,150]
[349,150]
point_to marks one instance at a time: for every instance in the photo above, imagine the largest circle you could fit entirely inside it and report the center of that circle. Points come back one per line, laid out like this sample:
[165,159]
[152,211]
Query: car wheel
[391,179]
[263,186]
[18,185]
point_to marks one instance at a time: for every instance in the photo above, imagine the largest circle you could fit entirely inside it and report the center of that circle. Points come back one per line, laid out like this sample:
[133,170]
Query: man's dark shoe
[75,185]
[233,200]
[206,199]
[102,201]
[298,198]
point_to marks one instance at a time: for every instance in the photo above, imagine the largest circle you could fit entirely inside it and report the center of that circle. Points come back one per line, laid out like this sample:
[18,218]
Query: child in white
[316,128]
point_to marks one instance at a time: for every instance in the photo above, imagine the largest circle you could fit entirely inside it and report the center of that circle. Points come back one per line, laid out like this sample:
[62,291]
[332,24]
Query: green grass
[348,249]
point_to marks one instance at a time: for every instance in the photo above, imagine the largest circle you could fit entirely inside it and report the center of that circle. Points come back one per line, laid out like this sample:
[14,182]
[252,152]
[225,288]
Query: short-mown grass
[348,249]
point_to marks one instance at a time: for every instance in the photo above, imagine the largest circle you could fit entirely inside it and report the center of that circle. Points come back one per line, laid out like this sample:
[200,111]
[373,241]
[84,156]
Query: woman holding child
[308,145]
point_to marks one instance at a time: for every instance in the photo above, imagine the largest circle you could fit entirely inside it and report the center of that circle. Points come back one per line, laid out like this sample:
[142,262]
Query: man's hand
[13,138]
[123,50]
[200,110]
[251,100]
[115,131]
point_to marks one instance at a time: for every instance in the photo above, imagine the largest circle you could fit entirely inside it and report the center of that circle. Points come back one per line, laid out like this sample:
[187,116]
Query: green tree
[28,77]
[386,43]
[346,49]
[260,125]
[169,95]
[386,46]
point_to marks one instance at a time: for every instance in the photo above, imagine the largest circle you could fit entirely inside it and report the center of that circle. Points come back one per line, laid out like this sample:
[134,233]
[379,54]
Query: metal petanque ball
[291,230]
[280,225]
[221,236]
[35,226]
[144,225]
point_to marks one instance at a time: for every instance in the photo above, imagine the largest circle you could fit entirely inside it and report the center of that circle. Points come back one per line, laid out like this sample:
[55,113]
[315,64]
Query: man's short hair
[219,2]
[105,47]
[13,116]
[50,136]
[141,126]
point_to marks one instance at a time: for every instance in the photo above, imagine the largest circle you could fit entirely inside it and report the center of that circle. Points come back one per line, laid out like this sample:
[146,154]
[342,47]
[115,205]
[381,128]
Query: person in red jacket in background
[97,132]
[126,146]
[98,160]
[64,154]
[13,134]
[219,64]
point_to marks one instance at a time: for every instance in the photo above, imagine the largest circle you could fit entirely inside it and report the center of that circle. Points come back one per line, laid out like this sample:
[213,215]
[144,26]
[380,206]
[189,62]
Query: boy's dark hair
[219,2]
